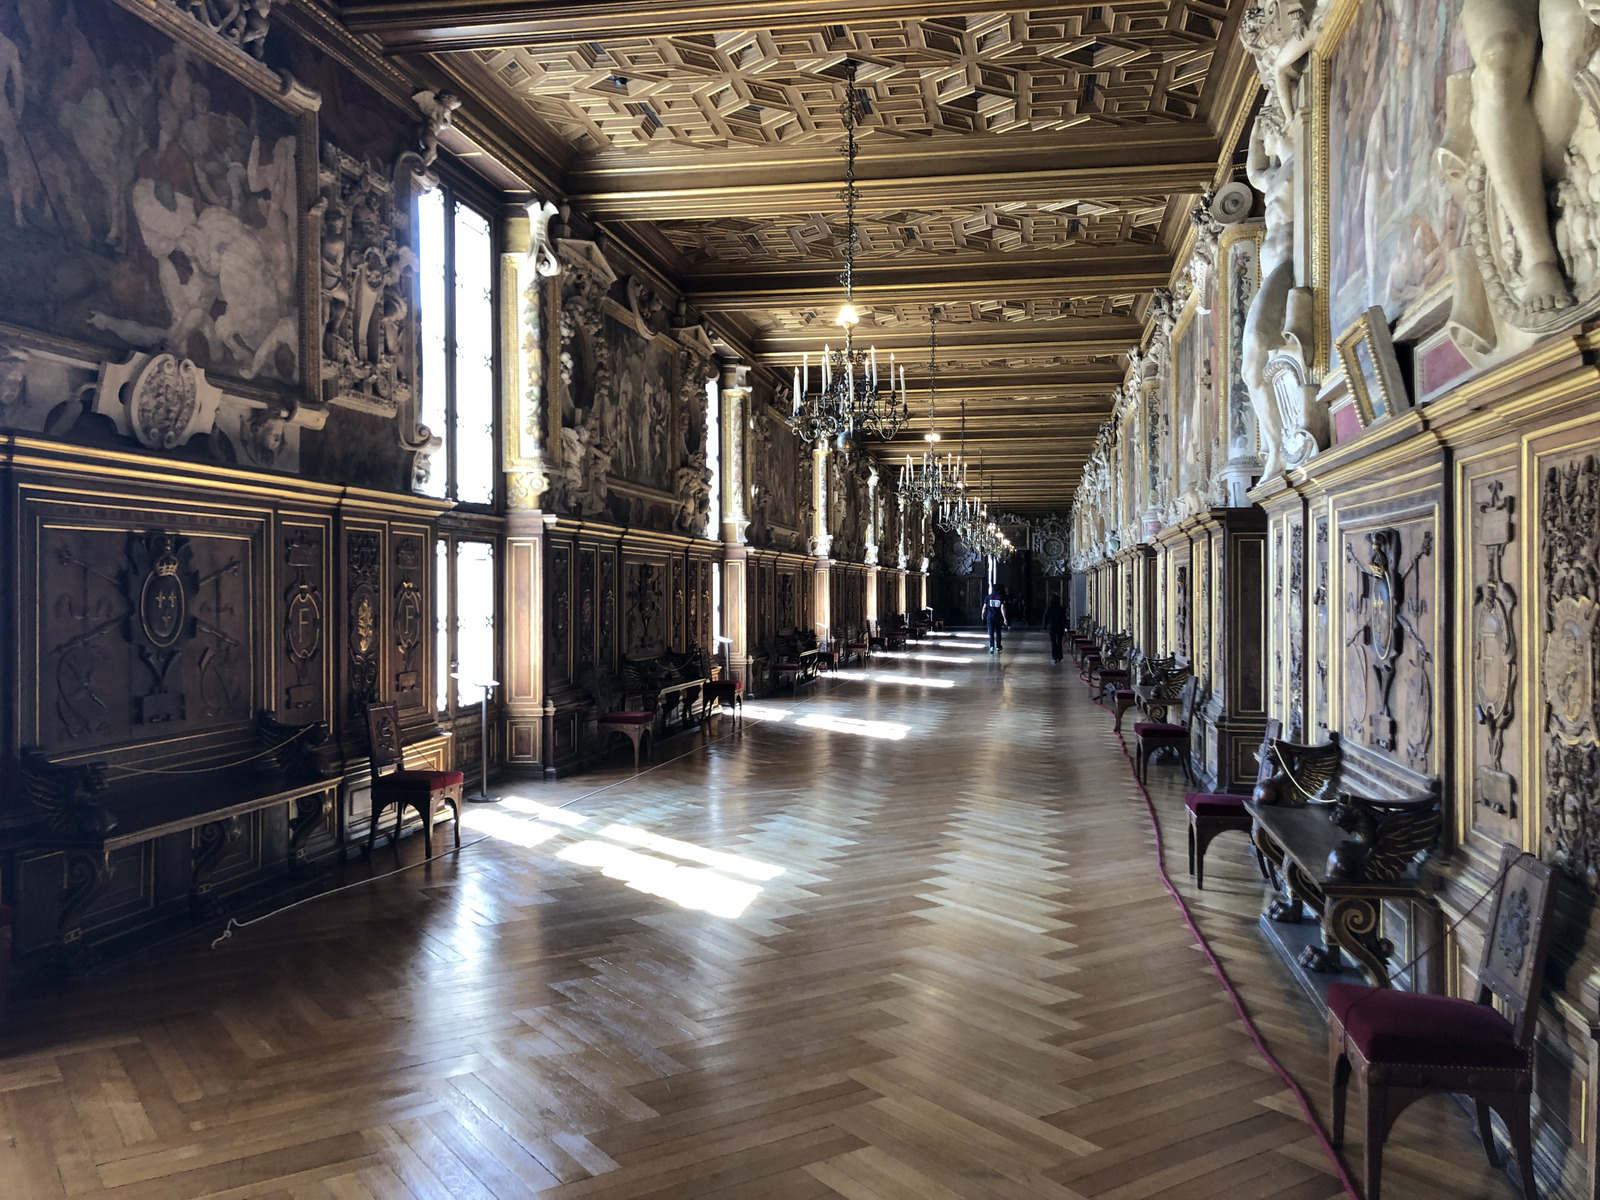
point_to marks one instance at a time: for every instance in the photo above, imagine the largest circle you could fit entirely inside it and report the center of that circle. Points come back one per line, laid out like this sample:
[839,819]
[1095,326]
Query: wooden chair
[423,791]
[638,725]
[1151,737]
[1402,1046]
[1213,813]
[726,693]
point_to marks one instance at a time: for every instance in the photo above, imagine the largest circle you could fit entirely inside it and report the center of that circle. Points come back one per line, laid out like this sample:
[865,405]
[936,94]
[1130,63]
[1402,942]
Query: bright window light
[915,681]
[687,887]
[938,658]
[887,730]
[764,712]
[556,816]
[734,864]
[506,828]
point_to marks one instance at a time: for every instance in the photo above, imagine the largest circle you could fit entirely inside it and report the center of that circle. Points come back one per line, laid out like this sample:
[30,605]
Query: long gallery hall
[902,936]
[683,598]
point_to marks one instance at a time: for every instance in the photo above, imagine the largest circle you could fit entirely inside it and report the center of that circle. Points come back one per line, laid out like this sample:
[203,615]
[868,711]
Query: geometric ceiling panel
[1038,69]
[950,232]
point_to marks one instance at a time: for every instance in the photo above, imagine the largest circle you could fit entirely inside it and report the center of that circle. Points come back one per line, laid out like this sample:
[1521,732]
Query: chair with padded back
[1152,737]
[637,725]
[1402,1046]
[423,791]
[1213,813]
[1112,668]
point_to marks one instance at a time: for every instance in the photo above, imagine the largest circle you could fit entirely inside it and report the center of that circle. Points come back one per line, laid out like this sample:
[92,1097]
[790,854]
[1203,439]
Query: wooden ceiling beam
[1064,277]
[664,195]
[410,26]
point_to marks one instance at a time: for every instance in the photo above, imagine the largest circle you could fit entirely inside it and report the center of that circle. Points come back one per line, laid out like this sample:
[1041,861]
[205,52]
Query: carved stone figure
[1518,138]
[694,495]
[438,112]
[1278,35]
[240,23]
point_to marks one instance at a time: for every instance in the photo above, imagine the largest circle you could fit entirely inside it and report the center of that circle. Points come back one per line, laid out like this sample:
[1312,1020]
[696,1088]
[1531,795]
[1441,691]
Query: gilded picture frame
[1371,369]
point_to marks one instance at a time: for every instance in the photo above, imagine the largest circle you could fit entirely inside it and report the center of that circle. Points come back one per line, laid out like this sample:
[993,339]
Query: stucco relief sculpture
[241,23]
[1522,152]
[1279,34]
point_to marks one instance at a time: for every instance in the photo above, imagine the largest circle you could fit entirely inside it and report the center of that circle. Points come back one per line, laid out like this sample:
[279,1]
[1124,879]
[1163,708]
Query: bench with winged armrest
[91,811]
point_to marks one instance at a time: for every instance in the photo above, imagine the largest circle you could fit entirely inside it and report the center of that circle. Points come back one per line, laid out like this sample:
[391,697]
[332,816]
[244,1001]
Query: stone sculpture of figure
[20,174]
[1271,170]
[1526,54]
[438,111]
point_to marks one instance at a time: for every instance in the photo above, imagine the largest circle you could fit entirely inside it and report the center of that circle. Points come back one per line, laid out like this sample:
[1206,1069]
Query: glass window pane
[474,431]
[432,275]
[441,627]
[475,596]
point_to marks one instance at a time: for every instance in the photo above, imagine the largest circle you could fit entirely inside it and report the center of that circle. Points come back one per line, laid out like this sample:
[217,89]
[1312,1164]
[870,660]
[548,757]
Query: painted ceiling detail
[1037,69]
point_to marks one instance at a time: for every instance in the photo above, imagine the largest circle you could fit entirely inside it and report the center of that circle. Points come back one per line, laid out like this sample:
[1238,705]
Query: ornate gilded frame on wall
[301,105]
[1371,370]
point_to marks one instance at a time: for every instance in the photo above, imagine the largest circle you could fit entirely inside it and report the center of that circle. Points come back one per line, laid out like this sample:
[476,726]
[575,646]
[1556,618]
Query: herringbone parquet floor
[900,937]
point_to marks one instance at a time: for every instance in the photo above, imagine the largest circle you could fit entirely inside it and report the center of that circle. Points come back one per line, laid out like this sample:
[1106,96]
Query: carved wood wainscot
[177,740]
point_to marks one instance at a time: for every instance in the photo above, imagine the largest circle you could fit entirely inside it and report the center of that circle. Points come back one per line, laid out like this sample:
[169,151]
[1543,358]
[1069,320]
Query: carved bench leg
[211,842]
[86,874]
[309,812]
[1352,925]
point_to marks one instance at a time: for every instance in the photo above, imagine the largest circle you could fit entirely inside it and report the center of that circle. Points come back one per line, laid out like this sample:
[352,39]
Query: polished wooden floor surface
[894,939]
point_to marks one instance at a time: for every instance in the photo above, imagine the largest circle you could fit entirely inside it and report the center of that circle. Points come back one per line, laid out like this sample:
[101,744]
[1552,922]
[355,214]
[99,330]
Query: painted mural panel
[1391,220]
[153,199]
[639,420]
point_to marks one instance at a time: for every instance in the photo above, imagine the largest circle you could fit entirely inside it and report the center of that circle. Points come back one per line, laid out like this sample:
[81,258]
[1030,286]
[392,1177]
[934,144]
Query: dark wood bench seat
[86,813]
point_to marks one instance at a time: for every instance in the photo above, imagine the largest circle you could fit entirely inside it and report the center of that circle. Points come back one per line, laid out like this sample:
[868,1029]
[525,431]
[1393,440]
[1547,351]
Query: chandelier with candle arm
[926,483]
[849,398]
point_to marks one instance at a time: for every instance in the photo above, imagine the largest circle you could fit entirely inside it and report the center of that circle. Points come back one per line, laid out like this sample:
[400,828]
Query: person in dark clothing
[1055,624]
[994,616]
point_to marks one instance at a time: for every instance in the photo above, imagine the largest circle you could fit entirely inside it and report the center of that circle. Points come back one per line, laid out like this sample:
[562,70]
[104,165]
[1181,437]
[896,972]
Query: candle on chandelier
[827,366]
[805,372]
[797,391]
[874,352]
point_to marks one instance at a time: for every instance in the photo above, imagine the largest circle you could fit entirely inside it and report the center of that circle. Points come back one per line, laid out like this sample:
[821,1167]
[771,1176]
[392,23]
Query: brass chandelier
[927,482]
[849,398]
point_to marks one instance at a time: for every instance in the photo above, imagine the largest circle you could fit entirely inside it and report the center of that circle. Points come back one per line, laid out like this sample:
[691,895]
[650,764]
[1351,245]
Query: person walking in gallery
[1055,624]
[994,615]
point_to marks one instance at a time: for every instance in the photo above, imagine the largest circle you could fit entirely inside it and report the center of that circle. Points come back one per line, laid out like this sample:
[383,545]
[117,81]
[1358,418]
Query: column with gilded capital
[735,615]
[526,269]
[821,544]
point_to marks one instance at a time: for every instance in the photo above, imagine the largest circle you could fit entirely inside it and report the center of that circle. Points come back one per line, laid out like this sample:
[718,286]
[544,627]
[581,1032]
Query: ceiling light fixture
[849,398]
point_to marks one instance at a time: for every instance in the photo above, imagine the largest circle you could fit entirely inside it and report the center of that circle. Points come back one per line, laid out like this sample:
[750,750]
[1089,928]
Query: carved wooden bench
[798,659]
[78,812]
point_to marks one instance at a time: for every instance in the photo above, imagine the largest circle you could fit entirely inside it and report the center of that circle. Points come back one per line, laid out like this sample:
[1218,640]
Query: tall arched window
[456,244]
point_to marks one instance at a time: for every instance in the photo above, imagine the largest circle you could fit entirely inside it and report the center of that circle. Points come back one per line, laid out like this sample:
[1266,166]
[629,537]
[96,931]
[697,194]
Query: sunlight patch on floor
[688,887]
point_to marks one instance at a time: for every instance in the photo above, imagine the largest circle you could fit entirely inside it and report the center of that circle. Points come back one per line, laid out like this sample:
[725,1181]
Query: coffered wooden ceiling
[1029,170]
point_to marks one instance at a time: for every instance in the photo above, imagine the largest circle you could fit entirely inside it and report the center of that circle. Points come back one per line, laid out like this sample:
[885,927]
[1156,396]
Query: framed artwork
[161,184]
[1384,227]
[1371,368]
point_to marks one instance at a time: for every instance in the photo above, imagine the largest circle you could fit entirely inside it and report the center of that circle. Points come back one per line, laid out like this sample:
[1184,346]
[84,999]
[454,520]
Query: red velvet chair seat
[421,781]
[628,718]
[1214,804]
[1159,729]
[787,666]
[1107,674]
[1125,694]
[1389,1026]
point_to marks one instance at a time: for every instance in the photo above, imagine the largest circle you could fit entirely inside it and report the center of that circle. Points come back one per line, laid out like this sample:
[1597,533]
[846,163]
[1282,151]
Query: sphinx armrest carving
[59,796]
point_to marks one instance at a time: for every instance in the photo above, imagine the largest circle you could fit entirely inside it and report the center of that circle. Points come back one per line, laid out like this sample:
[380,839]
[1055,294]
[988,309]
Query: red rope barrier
[1227,986]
